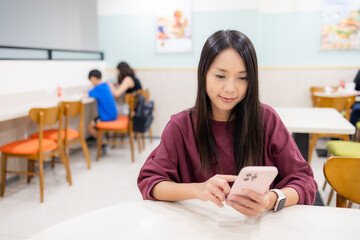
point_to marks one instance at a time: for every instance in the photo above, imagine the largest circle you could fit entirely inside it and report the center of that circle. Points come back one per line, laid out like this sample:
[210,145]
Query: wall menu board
[341,25]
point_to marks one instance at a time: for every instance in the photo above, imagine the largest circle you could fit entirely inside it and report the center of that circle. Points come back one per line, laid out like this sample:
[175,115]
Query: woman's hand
[215,189]
[251,204]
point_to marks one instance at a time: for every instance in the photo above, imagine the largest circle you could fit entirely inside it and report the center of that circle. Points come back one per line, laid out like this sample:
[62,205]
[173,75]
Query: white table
[10,112]
[314,120]
[203,220]
[302,121]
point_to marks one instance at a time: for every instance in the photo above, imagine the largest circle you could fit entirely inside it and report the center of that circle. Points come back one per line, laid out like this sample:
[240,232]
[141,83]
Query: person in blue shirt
[105,101]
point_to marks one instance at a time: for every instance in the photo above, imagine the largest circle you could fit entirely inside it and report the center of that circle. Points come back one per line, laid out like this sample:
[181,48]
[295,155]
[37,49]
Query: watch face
[281,204]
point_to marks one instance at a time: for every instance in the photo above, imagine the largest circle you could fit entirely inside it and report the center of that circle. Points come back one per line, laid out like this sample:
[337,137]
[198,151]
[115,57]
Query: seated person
[105,101]
[355,109]
[127,82]
[202,149]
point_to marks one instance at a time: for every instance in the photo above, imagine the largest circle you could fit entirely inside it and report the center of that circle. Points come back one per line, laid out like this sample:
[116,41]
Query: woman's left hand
[251,204]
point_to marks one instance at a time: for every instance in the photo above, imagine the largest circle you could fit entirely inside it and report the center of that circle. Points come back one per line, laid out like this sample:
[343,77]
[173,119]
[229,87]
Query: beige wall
[174,90]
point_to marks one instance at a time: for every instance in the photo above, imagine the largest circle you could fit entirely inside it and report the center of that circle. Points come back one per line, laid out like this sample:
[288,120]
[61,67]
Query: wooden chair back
[315,89]
[340,103]
[73,109]
[130,99]
[45,116]
[322,89]
[145,93]
[342,173]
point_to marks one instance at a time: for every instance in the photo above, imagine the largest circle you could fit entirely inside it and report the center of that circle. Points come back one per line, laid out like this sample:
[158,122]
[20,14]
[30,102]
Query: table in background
[198,220]
[10,112]
[302,121]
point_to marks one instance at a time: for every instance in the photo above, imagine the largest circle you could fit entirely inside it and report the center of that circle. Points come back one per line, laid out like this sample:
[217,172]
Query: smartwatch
[280,201]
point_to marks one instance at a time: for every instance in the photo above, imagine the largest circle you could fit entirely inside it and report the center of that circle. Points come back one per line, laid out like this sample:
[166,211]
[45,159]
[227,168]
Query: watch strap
[280,201]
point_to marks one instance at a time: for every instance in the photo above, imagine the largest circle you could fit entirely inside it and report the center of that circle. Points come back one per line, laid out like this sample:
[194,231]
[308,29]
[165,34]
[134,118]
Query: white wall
[28,76]
[111,7]
[68,24]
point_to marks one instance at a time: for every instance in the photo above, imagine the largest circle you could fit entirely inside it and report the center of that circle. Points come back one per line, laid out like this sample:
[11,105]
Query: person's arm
[294,172]
[215,190]
[126,83]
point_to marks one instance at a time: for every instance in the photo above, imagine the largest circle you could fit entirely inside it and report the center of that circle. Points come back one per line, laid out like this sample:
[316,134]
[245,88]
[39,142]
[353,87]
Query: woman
[127,82]
[203,149]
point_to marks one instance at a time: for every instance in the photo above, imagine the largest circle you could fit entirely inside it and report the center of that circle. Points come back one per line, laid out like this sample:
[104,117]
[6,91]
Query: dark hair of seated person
[95,73]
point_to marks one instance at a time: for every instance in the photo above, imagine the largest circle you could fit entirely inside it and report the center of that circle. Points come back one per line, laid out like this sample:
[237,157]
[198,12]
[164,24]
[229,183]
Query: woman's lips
[227,100]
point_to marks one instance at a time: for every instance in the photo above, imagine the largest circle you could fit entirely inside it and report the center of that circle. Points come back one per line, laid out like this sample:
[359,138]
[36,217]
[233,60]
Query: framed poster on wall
[341,25]
[173,22]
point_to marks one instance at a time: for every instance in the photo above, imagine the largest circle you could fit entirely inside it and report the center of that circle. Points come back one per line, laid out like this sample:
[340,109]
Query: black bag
[143,114]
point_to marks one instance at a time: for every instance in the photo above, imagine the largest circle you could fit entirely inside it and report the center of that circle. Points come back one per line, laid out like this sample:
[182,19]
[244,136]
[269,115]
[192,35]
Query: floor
[112,180]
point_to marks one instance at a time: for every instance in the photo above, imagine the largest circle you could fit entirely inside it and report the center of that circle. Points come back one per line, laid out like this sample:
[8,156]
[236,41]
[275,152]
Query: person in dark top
[204,148]
[355,109]
[105,101]
[127,82]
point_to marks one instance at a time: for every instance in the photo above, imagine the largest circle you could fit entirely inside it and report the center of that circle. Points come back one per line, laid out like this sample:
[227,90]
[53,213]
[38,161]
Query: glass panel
[11,53]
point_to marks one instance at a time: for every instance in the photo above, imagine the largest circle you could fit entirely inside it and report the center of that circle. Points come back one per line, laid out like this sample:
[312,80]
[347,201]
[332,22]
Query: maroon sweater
[176,158]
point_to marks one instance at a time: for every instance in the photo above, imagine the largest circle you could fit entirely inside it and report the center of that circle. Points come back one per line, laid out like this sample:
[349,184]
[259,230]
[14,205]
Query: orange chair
[339,103]
[342,173]
[36,150]
[122,125]
[70,136]
[146,94]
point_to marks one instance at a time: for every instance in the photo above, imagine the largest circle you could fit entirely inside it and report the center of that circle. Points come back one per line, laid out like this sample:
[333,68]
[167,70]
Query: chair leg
[346,138]
[3,174]
[99,142]
[324,186]
[29,170]
[143,141]
[349,204]
[131,139]
[53,162]
[340,201]
[41,176]
[330,197]
[150,135]
[138,141]
[114,140]
[311,147]
[65,162]
[86,151]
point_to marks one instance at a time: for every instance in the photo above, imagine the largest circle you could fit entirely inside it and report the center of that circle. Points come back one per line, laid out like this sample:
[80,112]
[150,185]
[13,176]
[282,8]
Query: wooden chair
[320,89]
[70,136]
[340,104]
[342,173]
[36,150]
[146,94]
[123,125]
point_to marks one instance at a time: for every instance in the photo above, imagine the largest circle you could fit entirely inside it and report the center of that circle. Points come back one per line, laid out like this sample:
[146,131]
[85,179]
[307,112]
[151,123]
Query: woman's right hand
[215,189]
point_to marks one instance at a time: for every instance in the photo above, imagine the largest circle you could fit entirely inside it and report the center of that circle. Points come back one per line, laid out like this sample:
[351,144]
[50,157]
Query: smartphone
[257,179]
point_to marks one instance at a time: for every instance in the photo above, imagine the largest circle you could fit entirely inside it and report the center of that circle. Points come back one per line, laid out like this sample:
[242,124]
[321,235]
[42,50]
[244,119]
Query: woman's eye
[243,78]
[220,76]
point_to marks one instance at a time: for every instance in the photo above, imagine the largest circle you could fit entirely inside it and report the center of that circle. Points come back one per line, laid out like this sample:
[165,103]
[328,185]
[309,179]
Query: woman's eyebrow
[224,70]
[221,70]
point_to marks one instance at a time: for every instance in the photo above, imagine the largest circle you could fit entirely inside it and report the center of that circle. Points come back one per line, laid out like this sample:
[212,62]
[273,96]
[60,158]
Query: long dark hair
[125,70]
[249,129]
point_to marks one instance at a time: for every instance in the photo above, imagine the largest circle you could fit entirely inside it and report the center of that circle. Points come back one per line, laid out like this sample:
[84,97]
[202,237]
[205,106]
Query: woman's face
[226,83]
